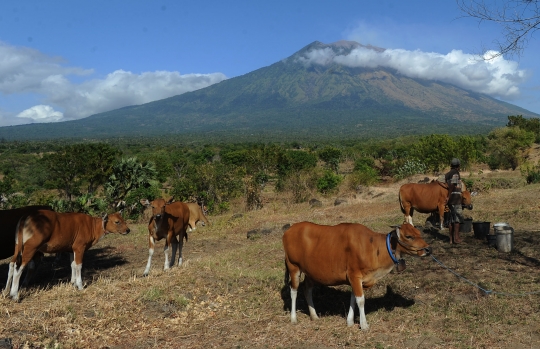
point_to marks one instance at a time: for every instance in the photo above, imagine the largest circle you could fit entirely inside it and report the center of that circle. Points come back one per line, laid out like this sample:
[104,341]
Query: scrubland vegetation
[230,292]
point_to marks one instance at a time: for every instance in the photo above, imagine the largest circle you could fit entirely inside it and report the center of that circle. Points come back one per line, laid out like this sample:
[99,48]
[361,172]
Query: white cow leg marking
[73,272]
[352,305]
[150,254]
[78,278]
[311,306]
[17,272]
[166,251]
[294,294]
[10,278]
[360,301]
[408,219]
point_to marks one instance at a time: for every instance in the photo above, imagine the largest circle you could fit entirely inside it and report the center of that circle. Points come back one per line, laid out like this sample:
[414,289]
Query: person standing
[453,200]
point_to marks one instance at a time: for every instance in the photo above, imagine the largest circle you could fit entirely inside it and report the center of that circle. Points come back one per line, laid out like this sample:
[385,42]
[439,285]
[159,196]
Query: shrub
[328,182]
[409,168]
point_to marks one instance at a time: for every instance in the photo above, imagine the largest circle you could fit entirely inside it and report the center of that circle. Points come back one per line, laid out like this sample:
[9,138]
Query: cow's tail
[401,203]
[19,246]
[287,276]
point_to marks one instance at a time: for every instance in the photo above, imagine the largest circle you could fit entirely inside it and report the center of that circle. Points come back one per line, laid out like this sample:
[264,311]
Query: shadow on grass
[332,301]
[54,270]
[435,233]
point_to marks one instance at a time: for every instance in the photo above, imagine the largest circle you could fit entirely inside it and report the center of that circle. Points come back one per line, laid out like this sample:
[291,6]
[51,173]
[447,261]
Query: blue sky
[64,60]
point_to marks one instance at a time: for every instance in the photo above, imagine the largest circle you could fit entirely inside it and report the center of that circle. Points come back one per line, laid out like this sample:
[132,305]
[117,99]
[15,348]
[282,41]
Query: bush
[328,182]
[531,173]
[409,168]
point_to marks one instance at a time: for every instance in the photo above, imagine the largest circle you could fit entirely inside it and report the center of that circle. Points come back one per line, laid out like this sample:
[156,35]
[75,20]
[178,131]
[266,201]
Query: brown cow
[52,232]
[195,215]
[427,198]
[8,224]
[345,254]
[169,220]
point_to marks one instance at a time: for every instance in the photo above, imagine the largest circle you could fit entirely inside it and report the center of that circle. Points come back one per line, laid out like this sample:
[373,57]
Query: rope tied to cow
[486,292]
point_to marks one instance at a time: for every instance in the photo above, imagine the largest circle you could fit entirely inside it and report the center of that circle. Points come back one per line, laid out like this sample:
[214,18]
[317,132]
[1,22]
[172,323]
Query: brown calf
[169,220]
[345,254]
[52,232]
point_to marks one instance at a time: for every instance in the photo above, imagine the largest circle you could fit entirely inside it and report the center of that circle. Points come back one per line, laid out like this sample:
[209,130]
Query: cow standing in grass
[52,232]
[345,254]
[170,220]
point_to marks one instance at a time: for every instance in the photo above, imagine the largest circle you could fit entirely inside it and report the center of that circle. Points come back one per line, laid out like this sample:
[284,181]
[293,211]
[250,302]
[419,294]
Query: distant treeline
[104,175]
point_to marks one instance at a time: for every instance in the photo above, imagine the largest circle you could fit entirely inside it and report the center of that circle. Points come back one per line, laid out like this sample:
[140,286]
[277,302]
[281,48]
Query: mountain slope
[290,97]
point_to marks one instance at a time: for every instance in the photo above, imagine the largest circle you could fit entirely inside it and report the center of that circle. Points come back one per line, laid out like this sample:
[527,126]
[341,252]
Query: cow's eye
[409,237]
[117,222]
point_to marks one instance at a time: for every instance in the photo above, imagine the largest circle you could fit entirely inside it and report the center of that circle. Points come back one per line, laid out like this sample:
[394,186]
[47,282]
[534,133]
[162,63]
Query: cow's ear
[144,202]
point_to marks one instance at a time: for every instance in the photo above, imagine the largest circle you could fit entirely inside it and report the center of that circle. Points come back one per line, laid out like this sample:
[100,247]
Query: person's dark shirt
[454,199]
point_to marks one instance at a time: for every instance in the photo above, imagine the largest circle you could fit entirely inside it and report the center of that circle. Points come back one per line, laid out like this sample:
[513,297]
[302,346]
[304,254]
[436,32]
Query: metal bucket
[505,237]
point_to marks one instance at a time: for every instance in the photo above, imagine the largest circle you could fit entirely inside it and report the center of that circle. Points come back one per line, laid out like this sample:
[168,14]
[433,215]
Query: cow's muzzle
[427,250]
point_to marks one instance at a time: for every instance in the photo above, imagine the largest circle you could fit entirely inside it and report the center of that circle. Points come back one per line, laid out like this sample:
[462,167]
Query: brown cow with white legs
[428,198]
[169,220]
[52,232]
[345,254]
[196,215]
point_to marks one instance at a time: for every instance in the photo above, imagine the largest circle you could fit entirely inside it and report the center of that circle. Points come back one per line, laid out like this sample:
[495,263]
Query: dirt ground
[230,291]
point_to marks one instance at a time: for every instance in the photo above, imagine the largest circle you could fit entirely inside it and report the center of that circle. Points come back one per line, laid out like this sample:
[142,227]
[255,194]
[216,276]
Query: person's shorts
[456,214]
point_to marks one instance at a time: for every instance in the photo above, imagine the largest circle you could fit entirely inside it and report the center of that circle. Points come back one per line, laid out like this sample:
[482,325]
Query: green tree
[531,125]
[65,169]
[129,174]
[435,151]
[331,157]
[506,145]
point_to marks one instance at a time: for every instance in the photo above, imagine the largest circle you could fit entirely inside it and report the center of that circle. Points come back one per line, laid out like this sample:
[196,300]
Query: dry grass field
[230,292]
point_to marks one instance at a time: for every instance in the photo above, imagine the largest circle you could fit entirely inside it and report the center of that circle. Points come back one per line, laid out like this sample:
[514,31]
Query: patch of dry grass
[230,292]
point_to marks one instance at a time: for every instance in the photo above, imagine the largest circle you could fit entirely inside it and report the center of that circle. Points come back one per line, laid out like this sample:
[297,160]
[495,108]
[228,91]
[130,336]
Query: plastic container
[504,237]
[481,229]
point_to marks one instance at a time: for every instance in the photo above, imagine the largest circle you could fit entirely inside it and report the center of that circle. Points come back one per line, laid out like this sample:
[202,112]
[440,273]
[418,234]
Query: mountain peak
[340,48]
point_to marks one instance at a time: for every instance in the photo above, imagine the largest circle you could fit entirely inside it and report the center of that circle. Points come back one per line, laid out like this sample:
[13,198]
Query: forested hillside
[94,177]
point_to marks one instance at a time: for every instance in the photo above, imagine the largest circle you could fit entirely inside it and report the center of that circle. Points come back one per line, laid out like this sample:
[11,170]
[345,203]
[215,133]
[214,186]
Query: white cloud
[28,71]
[122,88]
[41,113]
[496,77]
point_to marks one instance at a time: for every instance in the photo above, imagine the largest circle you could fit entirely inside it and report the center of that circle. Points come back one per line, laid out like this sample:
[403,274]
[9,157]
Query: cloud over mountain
[496,77]
[27,71]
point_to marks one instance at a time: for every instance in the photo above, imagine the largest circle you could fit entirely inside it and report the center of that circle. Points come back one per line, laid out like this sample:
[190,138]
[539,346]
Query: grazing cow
[427,198]
[8,226]
[345,254]
[195,215]
[169,220]
[52,232]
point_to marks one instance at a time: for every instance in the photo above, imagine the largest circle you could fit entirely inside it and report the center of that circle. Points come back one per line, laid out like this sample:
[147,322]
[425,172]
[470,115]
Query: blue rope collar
[389,248]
